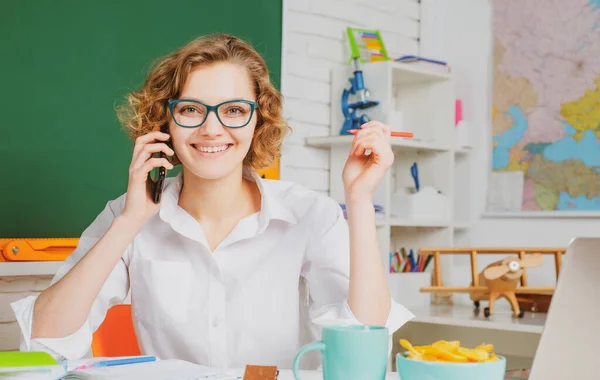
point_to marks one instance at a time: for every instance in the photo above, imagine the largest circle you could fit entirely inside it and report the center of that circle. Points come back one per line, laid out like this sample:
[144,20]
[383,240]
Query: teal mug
[352,352]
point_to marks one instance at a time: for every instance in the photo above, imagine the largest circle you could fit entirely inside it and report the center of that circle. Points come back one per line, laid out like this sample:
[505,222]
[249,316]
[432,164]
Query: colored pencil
[114,362]
[429,257]
[399,261]
[407,135]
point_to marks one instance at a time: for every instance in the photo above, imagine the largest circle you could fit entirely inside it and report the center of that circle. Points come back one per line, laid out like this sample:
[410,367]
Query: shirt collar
[273,205]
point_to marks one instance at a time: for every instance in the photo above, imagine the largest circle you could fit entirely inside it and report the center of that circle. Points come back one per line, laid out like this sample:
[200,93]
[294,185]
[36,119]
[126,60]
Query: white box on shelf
[462,134]
[427,203]
[405,288]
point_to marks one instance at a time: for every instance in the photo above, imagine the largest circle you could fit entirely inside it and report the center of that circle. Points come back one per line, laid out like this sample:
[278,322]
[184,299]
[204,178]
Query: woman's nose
[212,126]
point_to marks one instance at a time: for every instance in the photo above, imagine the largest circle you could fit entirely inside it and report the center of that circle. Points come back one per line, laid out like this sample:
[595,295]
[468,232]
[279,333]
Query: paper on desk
[171,369]
[505,191]
[49,372]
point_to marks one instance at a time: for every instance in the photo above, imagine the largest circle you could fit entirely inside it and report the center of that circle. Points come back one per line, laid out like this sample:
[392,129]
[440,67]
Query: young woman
[217,268]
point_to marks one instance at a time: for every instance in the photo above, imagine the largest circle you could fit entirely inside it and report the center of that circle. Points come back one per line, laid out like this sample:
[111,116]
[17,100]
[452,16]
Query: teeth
[211,149]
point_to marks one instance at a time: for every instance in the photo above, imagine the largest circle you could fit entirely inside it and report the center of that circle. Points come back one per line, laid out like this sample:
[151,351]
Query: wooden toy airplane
[36,249]
[499,279]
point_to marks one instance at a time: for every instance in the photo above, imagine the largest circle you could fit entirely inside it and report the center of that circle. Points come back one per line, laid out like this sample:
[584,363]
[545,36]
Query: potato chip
[487,347]
[450,351]
[444,352]
[477,355]
[413,352]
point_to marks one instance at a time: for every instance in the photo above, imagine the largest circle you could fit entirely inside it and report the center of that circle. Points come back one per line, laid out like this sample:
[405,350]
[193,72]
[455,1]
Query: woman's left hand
[363,173]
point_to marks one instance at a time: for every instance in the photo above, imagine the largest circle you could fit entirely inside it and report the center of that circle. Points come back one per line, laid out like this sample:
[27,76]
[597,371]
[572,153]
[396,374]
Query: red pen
[407,135]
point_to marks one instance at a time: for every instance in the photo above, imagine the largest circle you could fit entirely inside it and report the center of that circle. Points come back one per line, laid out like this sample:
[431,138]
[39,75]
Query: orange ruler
[36,249]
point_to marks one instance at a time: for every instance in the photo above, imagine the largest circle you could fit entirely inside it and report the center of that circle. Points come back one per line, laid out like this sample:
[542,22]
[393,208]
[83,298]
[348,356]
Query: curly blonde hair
[146,109]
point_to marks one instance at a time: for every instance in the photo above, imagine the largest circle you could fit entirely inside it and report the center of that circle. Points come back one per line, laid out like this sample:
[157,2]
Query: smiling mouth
[212,149]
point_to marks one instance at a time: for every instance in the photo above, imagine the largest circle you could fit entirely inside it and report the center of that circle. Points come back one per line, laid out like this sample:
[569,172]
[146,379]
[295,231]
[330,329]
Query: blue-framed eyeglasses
[189,113]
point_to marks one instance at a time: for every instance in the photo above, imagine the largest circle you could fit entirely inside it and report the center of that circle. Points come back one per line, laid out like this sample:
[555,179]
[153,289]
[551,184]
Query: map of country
[584,113]
[546,101]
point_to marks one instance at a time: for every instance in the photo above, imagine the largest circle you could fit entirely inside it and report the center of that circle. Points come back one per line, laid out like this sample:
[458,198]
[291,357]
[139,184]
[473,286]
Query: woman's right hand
[78,291]
[139,205]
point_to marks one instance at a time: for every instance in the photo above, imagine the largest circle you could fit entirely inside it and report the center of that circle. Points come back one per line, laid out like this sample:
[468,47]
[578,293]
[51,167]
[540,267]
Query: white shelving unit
[425,100]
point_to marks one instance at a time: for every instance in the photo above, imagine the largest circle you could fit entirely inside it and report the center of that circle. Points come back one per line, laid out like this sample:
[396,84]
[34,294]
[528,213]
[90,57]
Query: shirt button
[215,322]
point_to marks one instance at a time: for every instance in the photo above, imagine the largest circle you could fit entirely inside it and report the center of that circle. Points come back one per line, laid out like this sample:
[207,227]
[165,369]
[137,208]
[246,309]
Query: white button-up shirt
[245,303]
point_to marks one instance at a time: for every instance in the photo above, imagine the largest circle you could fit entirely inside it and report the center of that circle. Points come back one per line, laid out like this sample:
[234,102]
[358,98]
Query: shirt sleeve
[327,271]
[114,291]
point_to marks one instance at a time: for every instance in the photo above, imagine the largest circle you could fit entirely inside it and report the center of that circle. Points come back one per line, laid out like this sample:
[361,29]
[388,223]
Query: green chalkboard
[64,67]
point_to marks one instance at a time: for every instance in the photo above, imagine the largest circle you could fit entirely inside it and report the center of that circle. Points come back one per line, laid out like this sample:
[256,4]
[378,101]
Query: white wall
[314,43]
[460,31]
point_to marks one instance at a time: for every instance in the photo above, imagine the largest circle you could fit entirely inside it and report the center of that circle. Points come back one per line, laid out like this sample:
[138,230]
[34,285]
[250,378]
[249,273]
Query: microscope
[357,88]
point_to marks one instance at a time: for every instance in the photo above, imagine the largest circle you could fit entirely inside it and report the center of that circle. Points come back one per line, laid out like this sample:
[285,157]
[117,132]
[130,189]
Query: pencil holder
[405,288]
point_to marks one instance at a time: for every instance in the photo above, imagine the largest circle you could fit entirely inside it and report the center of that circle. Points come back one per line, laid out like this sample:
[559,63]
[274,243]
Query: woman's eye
[235,111]
[188,110]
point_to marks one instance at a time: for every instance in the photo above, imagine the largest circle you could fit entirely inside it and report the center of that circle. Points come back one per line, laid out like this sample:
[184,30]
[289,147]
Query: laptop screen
[569,347]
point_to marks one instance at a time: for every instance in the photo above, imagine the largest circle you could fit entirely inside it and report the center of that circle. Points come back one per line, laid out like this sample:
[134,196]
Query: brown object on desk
[260,372]
[499,279]
[536,303]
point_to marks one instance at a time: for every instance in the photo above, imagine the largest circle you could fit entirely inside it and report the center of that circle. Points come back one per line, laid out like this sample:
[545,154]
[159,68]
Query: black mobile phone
[160,173]
[159,182]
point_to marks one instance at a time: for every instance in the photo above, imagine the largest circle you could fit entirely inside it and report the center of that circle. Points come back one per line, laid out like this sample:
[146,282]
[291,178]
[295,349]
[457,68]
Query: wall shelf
[458,225]
[409,73]
[434,223]
[396,143]
[463,149]
[542,214]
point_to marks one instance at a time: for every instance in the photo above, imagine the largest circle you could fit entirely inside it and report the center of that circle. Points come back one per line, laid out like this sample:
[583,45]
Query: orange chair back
[116,336]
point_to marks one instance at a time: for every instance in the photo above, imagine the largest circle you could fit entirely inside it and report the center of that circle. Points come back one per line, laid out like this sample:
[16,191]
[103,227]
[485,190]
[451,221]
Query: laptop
[569,347]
